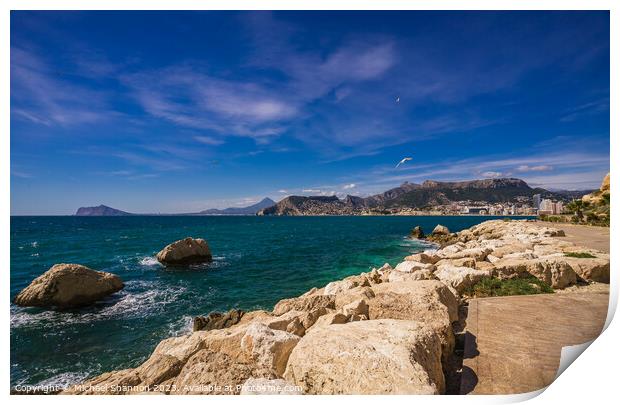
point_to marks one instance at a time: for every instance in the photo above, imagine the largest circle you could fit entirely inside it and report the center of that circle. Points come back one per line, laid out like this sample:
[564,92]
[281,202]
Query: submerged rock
[184,252]
[68,286]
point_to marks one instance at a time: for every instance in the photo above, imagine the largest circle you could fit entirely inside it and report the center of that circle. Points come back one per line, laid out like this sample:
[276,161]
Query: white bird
[403,161]
[398,99]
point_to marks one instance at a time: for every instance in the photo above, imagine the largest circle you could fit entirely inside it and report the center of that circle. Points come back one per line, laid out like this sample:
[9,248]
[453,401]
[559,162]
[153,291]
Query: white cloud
[492,174]
[539,168]
[349,186]
[208,140]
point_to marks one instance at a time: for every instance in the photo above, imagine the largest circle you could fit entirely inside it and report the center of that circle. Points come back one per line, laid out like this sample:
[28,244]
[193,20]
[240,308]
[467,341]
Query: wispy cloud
[40,95]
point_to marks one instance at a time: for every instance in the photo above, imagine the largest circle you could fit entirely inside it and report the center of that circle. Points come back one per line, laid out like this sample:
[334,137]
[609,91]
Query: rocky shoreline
[386,331]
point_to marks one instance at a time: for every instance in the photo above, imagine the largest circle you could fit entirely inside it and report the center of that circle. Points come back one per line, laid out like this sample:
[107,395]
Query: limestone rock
[428,301]
[355,309]
[460,278]
[591,269]
[417,275]
[68,286]
[184,252]
[441,230]
[208,372]
[410,266]
[417,233]
[557,272]
[268,348]
[373,357]
[217,320]
[308,303]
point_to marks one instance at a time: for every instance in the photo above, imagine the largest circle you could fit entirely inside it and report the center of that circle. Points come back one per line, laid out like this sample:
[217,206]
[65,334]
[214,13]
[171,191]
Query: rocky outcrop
[428,301]
[460,278]
[389,330]
[217,320]
[184,252]
[68,286]
[417,233]
[309,303]
[441,230]
[383,356]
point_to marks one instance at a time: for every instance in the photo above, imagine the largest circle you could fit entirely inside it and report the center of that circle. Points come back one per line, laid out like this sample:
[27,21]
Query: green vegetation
[580,255]
[494,287]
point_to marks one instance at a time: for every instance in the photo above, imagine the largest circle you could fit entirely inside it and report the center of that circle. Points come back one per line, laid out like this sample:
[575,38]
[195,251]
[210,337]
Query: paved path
[594,237]
[513,344]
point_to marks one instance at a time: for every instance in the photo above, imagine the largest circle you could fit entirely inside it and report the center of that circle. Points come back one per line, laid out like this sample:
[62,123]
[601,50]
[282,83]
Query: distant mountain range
[105,211]
[250,210]
[425,196]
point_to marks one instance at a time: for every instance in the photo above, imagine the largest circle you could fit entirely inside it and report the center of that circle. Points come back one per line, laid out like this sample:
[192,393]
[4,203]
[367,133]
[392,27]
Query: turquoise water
[257,261]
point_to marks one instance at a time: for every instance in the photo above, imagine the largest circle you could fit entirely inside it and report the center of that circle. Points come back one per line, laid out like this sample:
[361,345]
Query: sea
[257,262]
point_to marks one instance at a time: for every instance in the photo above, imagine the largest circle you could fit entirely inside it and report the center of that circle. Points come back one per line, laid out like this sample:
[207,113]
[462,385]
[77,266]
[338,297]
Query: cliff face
[298,205]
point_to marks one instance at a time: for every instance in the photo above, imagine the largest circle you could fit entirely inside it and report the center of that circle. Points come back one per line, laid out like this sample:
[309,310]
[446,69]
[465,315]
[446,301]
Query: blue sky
[182,111]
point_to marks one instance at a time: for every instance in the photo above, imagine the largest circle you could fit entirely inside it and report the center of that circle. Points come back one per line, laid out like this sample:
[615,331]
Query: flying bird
[403,161]
[398,99]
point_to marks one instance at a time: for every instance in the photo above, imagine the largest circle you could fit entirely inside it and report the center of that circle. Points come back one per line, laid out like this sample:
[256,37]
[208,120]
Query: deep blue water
[257,261]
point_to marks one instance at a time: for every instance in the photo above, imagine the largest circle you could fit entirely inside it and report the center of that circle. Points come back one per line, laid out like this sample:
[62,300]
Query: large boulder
[427,301]
[441,230]
[184,252]
[409,266]
[217,320]
[307,303]
[68,286]
[555,271]
[591,269]
[417,233]
[383,356]
[460,278]
[268,348]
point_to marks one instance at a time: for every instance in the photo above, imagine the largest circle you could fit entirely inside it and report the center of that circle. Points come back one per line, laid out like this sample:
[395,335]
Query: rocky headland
[386,331]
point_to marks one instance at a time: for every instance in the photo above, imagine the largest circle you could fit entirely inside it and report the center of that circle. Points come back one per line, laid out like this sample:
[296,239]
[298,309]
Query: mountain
[250,210]
[410,196]
[100,211]
[299,205]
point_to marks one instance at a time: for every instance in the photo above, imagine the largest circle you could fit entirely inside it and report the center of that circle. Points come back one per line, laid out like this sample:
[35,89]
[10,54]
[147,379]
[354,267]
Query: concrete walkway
[513,344]
[593,237]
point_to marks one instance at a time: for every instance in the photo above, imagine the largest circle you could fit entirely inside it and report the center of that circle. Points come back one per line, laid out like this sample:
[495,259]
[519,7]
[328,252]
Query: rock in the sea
[217,320]
[441,230]
[417,233]
[383,356]
[68,286]
[184,252]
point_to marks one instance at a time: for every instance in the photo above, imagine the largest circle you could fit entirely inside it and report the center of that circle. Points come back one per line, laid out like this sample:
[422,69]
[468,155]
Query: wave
[138,299]
[149,261]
